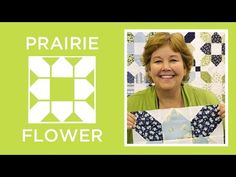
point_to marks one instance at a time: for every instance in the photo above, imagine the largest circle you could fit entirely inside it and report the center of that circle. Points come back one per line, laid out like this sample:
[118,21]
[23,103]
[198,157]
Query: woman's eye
[173,60]
[157,61]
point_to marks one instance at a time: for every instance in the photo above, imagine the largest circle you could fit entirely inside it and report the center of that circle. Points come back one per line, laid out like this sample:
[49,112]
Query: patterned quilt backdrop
[209,52]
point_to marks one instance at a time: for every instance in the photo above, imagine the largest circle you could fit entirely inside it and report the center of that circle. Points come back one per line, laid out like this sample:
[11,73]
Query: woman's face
[166,68]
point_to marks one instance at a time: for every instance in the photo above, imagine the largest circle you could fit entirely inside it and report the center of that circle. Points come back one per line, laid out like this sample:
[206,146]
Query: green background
[110,86]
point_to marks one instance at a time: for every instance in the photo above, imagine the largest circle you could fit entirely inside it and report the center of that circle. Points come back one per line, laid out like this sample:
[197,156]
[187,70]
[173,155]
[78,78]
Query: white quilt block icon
[62,89]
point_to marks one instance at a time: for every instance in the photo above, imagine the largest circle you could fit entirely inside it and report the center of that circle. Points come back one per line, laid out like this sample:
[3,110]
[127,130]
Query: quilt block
[191,125]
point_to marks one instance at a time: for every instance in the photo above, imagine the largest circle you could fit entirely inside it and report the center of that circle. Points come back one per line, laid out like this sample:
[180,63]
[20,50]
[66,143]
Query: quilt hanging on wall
[209,50]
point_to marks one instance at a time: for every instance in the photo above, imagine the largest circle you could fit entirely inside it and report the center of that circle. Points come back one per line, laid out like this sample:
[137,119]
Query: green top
[147,100]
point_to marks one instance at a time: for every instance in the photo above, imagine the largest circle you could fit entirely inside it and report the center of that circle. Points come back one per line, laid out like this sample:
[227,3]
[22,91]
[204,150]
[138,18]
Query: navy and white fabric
[148,127]
[205,121]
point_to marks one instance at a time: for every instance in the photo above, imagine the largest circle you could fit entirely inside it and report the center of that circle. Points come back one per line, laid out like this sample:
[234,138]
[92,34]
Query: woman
[168,62]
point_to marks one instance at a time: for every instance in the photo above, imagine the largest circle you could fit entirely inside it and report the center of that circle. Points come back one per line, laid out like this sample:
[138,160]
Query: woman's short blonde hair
[176,43]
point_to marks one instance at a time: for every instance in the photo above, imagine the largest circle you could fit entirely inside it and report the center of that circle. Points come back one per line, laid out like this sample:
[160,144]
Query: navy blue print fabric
[216,38]
[206,48]
[223,49]
[205,122]
[130,78]
[216,59]
[148,127]
[189,37]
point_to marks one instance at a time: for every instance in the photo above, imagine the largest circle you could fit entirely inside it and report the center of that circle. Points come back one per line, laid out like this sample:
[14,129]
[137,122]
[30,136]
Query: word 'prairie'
[66,43]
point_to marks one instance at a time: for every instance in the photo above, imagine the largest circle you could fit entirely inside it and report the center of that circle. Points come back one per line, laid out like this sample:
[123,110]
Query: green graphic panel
[70,134]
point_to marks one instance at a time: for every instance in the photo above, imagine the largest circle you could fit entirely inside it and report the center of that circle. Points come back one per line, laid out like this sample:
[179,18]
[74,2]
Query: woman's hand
[221,109]
[131,119]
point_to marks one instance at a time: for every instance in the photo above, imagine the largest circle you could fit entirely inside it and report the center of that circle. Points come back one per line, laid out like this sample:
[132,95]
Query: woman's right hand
[131,119]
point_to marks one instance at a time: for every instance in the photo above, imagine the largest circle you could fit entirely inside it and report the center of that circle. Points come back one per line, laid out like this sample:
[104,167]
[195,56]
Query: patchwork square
[190,125]
[61,89]
[216,48]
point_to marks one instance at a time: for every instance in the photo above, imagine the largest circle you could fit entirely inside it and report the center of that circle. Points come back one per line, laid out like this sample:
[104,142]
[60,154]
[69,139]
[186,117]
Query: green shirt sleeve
[194,96]
[143,100]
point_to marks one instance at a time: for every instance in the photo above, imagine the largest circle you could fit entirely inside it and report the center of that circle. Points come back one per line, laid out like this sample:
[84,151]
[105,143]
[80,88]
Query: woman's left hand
[221,109]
